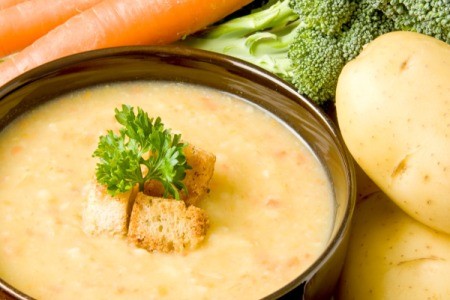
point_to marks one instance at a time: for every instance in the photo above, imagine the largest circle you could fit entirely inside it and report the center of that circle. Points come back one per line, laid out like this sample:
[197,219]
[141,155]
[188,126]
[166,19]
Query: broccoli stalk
[262,38]
[308,42]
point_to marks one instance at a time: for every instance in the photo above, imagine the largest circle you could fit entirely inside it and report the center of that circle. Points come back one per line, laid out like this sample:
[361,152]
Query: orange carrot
[118,23]
[22,24]
[8,3]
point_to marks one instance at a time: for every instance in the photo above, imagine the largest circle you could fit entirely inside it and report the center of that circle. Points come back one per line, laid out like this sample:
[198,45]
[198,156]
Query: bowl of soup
[279,202]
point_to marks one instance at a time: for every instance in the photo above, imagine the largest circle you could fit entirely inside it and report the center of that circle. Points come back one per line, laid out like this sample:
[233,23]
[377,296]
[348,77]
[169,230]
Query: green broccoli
[366,24]
[423,16]
[308,42]
[319,54]
[318,60]
[325,16]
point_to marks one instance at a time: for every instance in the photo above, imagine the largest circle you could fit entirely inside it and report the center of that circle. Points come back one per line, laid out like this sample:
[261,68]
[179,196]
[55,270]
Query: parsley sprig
[143,150]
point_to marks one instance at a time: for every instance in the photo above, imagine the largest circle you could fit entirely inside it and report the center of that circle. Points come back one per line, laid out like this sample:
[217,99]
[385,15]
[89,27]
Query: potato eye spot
[401,167]
[404,65]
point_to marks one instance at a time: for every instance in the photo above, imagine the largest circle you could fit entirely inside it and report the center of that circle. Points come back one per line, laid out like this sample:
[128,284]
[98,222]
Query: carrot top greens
[143,150]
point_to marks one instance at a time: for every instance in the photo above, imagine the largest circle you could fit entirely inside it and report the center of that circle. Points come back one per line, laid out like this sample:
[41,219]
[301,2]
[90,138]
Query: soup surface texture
[270,205]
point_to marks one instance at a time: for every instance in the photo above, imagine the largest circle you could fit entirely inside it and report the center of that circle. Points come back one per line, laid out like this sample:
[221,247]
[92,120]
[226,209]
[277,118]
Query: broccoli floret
[318,56]
[318,59]
[308,42]
[423,16]
[326,16]
[366,24]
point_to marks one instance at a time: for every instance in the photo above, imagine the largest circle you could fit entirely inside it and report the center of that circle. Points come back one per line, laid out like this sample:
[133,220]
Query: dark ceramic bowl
[223,73]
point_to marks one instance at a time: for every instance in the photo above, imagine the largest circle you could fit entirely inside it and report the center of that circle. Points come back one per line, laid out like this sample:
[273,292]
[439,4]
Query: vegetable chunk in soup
[270,203]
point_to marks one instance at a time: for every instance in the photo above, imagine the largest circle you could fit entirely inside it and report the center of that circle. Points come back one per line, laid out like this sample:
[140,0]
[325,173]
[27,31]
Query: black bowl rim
[229,63]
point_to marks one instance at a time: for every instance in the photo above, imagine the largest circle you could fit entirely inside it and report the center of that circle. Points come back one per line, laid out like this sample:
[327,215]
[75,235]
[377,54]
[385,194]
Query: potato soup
[270,203]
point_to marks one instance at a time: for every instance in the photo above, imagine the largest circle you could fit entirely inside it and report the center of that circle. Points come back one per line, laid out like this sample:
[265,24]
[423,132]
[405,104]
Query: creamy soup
[270,203]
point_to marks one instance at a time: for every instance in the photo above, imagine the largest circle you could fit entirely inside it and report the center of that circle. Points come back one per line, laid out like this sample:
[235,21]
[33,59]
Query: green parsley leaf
[143,150]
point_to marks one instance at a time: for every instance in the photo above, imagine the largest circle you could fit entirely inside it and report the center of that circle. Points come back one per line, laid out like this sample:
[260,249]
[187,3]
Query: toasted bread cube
[197,179]
[106,214]
[166,225]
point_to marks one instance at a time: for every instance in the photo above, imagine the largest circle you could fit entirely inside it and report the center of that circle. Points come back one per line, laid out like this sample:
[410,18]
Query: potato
[393,109]
[392,256]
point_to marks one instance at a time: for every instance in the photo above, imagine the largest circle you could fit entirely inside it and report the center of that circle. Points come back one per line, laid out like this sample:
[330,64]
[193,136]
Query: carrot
[22,24]
[8,3]
[118,23]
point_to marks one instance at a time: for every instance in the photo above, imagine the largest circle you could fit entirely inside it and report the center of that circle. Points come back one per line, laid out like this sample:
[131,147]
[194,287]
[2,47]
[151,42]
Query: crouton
[196,180]
[154,188]
[166,225]
[103,213]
